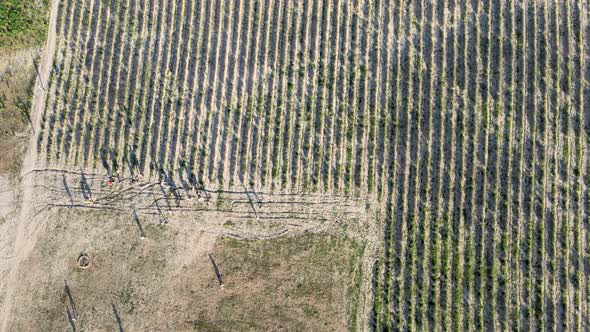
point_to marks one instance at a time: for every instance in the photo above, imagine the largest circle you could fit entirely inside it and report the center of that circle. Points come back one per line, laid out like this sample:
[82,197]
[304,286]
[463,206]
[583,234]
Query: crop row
[466,121]
[473,238]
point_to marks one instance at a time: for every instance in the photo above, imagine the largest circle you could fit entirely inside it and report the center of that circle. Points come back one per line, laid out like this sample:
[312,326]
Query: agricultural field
[440,146]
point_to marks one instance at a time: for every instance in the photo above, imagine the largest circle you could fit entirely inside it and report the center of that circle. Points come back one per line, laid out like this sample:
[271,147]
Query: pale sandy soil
[18,234]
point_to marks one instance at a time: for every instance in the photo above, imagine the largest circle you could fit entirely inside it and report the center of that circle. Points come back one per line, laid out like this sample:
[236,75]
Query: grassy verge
[23,26]
[23,23]
[16,92]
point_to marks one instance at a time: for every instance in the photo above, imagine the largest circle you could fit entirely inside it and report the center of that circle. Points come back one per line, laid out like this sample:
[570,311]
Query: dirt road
[23,233]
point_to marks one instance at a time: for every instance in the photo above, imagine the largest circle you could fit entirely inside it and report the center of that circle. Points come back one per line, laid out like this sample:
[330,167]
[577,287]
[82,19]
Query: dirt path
[25,234]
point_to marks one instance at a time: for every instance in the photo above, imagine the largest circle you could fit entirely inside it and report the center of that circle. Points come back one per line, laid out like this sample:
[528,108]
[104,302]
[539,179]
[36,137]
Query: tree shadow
[185,185]
[105,162]
[70,319]
[217,271]
[136,218]
[117,317]
[68,191]
[114,162]
[84,186]
[74,312]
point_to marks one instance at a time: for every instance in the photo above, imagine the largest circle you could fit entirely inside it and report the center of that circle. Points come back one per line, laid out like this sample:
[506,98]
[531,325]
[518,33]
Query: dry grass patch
[167,282]
[17,79]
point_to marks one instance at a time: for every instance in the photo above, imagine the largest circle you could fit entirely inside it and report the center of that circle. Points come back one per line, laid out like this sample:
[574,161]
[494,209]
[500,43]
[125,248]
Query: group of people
[114,175]
[192,188]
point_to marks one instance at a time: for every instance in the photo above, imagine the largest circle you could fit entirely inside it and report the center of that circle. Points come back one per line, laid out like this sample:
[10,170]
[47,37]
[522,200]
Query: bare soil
[166,281]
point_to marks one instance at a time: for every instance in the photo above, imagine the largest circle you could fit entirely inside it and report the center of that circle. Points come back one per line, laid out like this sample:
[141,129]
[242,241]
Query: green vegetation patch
[23,27]
[22,22]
